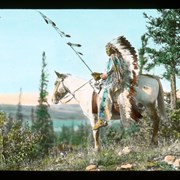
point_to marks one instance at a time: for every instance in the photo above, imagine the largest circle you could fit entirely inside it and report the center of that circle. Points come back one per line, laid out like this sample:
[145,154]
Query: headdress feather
[129,56]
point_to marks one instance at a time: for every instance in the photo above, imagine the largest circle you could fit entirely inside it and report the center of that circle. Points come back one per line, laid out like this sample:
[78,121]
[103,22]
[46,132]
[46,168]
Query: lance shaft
[81,59]
[62,34]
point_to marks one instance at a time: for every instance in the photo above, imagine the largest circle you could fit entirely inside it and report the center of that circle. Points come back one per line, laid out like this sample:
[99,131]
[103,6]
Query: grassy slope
[111,158]
[142,156]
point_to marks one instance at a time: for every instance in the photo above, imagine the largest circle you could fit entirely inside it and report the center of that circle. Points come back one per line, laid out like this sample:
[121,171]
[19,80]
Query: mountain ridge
[57,112]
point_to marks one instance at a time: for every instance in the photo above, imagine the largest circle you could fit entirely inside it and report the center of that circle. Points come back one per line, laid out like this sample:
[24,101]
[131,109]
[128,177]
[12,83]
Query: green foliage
[111,135]
[164,31]
[2,123]
[178,103]
[171,129]
[142,51]
[17,143]
[82,137]
[115,134]
[107,158]
[42,122]
[161,165]
[19,115]
[141,156]
[79,137]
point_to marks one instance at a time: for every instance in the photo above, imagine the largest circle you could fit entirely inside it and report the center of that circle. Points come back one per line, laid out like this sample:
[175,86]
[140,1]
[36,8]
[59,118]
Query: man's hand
[103,76]
[96,76]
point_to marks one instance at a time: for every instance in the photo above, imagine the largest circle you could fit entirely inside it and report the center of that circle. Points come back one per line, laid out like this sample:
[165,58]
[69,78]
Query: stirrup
[100,124]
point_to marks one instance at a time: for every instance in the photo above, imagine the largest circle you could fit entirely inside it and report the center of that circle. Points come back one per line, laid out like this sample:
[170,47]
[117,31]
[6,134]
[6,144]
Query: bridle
[60,95]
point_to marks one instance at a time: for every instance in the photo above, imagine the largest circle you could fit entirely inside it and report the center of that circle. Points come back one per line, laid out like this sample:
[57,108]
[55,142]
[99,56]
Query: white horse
[149,91]
[133,95]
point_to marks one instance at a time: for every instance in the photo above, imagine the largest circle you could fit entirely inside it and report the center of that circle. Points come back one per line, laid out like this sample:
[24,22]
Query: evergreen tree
[164,31]
[32,115]
[142,51]
[43,123]
[19,115]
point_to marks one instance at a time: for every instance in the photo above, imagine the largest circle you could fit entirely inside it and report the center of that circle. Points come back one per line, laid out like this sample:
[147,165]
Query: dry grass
[111,158]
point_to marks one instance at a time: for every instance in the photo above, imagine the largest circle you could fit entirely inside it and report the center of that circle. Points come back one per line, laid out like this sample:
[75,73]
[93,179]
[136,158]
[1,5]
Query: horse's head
[59,88]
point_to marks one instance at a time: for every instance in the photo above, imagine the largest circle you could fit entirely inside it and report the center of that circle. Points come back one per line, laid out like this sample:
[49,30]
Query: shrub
[171,129]
[18,143]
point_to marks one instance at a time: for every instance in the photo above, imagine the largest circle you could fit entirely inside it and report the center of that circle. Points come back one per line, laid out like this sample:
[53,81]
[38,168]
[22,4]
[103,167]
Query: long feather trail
[63,34]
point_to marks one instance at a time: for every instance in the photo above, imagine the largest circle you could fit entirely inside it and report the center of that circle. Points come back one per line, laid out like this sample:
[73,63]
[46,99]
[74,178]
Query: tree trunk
[173,91]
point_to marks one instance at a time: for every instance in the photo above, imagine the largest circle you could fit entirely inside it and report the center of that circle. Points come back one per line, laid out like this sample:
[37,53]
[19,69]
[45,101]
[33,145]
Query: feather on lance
[63,34]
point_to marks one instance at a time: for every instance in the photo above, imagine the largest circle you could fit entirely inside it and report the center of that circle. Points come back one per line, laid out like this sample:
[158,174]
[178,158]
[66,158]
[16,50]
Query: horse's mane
[131,70]
[75,80]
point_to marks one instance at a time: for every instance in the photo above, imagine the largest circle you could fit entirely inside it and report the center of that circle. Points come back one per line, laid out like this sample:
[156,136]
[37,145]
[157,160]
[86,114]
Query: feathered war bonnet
[110,49]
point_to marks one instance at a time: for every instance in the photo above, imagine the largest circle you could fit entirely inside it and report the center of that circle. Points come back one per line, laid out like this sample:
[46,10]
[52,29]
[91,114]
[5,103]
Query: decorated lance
[63,34]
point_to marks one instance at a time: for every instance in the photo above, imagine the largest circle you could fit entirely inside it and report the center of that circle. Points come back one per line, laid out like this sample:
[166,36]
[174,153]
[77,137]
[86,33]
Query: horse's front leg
[96,140]
[95,133]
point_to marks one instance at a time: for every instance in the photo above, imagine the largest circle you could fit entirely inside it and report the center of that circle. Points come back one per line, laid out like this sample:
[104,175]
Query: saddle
[136,109]
[115,106]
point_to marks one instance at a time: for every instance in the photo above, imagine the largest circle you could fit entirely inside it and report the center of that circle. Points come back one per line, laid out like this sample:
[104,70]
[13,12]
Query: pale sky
[24,35]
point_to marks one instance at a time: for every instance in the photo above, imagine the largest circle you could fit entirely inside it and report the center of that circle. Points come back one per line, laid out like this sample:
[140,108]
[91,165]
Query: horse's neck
[82,92]
[75,84]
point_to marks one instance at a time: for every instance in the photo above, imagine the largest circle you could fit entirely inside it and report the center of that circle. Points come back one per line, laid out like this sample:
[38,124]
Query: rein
[72,93]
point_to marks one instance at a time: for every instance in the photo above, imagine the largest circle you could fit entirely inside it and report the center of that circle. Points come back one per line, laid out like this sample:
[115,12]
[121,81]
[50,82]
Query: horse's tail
[160,101]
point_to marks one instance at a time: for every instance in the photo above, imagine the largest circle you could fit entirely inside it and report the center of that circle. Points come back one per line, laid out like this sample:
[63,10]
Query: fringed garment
[112,83]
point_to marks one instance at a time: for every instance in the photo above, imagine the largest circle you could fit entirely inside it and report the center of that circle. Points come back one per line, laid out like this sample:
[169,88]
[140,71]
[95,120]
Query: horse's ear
[58,74]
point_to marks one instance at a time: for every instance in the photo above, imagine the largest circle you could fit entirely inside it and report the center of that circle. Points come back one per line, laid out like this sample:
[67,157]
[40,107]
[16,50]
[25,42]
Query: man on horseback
[112,78]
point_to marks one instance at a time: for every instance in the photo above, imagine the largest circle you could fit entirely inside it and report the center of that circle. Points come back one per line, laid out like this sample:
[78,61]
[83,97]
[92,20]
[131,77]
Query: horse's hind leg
[152,112]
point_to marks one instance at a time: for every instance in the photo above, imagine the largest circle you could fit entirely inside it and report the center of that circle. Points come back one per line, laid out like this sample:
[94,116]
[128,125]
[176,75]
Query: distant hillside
[27,99]
[61,112]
